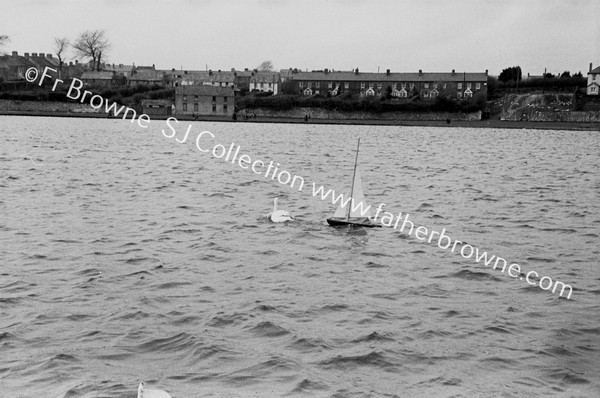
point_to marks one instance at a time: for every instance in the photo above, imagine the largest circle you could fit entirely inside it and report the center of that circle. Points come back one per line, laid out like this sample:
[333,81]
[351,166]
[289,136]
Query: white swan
[279,215]
[144,392]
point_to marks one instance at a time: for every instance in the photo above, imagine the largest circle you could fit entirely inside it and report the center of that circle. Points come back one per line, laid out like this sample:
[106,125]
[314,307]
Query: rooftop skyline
[401,35]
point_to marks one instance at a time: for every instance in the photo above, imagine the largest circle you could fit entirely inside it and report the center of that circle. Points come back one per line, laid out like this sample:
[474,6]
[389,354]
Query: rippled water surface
[128,256]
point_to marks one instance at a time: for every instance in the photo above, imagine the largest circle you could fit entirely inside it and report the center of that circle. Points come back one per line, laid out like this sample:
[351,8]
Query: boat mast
[352,186]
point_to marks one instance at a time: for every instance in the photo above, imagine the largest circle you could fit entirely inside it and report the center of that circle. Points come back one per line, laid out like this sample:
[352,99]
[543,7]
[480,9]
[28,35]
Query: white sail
[358,205]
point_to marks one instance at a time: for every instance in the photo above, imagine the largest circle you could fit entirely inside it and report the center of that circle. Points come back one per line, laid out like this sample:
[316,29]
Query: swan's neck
[274,205]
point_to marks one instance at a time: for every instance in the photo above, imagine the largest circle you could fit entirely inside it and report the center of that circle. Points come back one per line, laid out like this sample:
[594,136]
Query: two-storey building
[425,85]
[593,81]
[203,99]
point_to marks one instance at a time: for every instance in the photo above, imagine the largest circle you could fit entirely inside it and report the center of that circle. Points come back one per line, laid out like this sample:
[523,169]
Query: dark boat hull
[338,222]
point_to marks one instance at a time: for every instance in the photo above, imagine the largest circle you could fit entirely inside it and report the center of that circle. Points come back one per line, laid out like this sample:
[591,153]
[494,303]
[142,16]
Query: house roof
[43,60]
[594,71]
[228,77]
[403,76]
[199,89]
[147,75]
[121,68]
[98,75]
[11,61]
[212,77]
[265,77]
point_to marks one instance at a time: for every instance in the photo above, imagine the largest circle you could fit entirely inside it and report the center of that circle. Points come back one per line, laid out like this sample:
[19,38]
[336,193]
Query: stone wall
[45,106]
[318,113]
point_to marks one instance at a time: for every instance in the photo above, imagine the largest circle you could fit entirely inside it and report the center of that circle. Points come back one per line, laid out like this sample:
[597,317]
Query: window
[224,100]
[301,84]
[214,107]
[593,89]
[394,86]
[435,85]
[444,86]
[346,85]
[362,85]
[184,98]
[214,99]
[330,85]
[412,85]
[318,84]
[459,86]
[195,98]
[426,85]
[379,86]
[185,106]
[370,85]
[225,108]
[468,86]
[196,107]
[459,94]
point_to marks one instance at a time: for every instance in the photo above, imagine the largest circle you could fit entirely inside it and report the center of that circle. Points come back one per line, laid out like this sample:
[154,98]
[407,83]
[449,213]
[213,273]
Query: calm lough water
[127,256]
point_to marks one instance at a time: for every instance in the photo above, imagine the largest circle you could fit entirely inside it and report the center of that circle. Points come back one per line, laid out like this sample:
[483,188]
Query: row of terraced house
[420,84]
[214,92]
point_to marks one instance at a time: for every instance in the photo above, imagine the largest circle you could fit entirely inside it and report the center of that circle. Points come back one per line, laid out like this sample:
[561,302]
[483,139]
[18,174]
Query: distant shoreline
[489,123]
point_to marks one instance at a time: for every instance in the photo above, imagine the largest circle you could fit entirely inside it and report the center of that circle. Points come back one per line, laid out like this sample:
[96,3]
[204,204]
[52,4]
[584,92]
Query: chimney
[71,63]
[26,55]
[453,72]
[590,66]
[48,55]
[210,72]
[34,54]
[356,71]
[486,71]
[15,53]
[387,72]
[76,62]
[172,69]
[420,72]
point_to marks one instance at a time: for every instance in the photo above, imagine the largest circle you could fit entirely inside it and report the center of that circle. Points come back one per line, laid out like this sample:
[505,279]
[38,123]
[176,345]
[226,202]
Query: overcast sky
[401,35]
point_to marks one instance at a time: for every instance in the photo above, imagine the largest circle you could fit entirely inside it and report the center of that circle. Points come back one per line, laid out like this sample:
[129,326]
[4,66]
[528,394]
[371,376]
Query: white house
[265,82]
[593,81]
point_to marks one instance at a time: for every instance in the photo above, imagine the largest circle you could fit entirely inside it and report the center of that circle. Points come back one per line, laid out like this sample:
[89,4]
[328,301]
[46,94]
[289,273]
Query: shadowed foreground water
[127,256]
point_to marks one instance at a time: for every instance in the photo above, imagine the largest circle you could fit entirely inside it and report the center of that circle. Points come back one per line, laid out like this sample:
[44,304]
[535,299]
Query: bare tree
[92,44]
[4,39]
[266,66]
[61,44]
